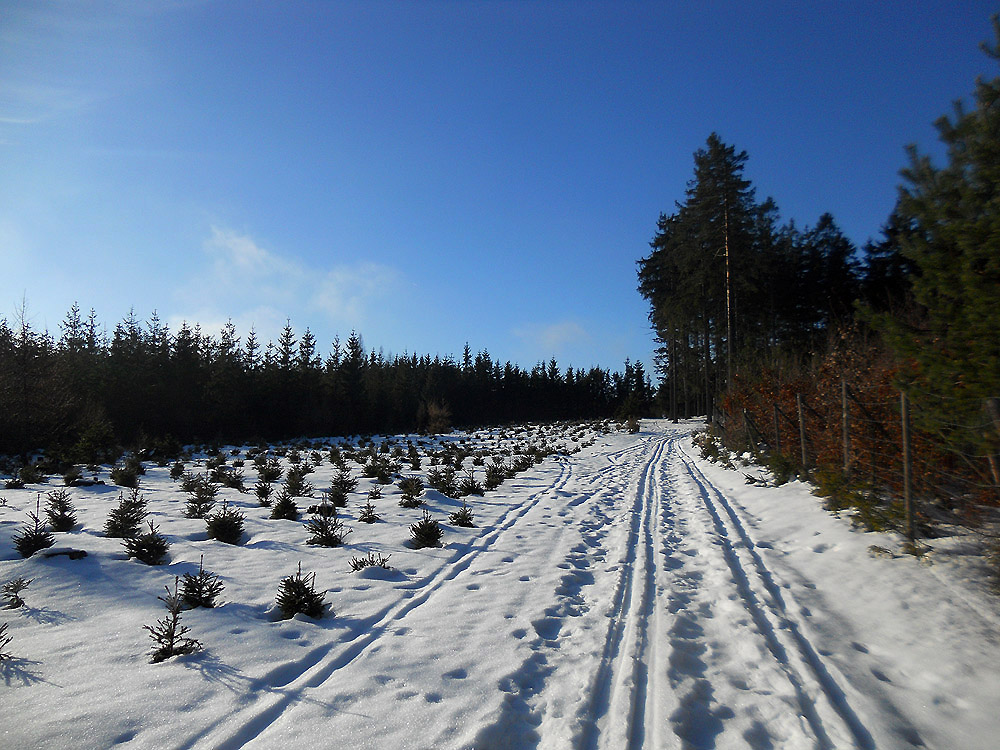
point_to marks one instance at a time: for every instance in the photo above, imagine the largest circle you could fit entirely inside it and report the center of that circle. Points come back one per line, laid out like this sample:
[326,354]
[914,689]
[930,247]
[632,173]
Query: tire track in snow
[773,619]
[617,714]
[527,703]
[288,681]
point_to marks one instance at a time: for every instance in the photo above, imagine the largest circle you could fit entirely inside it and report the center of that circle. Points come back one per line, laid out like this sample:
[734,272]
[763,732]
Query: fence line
[890,444]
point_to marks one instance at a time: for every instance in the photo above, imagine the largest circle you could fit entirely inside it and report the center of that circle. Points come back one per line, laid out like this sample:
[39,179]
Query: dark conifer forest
[732,288]
[86,394]
[879,367]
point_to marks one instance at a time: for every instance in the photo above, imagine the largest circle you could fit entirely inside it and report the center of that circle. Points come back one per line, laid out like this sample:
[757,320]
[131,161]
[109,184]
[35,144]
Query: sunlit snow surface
[627,595]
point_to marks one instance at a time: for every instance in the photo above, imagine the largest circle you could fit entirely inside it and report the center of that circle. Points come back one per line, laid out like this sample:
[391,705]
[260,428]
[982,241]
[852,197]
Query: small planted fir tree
[150,547]
[168,634]
[10,592]
[343,484]
[469,484]
[4,642]
[125,520]
[263,490]
[226,525]
[326,529]
[60,511]
[296,485]
[268,470]
[495,473]
[284,506]
[371,560]
[201,590]
[298,595]
[411,487]
[202,497]
[426,532]
[33,536]
[443,480]
[368,514]
[462,517]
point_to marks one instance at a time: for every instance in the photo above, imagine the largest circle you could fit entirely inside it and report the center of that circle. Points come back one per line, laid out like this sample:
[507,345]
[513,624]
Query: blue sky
[431,173]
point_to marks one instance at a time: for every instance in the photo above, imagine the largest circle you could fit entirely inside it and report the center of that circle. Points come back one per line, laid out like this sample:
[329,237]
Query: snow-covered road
[629,596]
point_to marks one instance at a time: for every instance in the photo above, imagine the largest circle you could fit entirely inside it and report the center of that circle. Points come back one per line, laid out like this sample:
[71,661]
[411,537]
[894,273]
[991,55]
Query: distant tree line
[86,393]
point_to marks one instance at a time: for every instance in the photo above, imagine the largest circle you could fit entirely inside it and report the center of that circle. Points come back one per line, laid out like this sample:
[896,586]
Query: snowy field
[624,595]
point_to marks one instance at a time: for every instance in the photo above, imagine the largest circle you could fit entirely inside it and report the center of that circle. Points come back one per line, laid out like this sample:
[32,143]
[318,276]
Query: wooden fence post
[777,430]
[904,407]
[993,410]
[802,432]
[846,418]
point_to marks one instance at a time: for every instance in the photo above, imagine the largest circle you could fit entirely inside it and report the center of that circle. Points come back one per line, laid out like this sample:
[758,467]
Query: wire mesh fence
[924,459]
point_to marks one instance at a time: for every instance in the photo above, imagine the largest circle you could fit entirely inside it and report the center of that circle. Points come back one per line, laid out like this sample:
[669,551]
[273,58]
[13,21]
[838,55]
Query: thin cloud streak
[254,286]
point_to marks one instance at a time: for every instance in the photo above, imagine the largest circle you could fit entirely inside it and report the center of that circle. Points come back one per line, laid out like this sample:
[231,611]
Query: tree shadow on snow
[16,670]
[45,615]
[213,670]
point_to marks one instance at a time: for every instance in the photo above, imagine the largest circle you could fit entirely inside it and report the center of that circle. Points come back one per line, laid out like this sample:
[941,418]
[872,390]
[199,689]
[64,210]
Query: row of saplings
[296,594]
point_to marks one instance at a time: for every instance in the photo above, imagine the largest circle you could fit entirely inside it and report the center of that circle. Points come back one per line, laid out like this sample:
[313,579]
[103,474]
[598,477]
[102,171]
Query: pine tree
[125,520]
[226,525]
[150,547]
[462,517]
[284,506]
[168,634]
[949,228]
[297,595]
[201,590]
[60,511]
[4,643]
[326,529]
[426,532]
[33,536]
[10,592]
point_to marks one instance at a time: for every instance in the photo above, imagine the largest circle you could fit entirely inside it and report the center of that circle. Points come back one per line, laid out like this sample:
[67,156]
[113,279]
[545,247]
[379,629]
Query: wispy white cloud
[254,286]
[553,337]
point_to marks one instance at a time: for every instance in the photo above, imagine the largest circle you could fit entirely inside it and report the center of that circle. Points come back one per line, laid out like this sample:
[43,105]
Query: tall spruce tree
[704,276]
[949,228]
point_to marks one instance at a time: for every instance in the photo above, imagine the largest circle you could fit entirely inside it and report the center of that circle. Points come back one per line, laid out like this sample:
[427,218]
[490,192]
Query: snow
[626,595]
